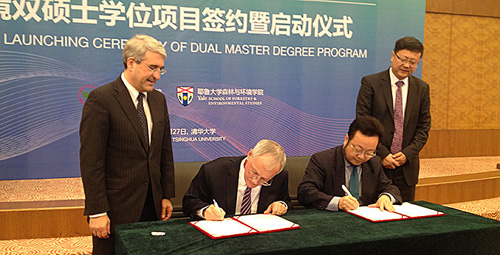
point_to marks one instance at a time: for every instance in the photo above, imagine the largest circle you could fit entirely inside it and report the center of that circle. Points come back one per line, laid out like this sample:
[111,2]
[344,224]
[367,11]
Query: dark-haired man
[352,165]
[400,101]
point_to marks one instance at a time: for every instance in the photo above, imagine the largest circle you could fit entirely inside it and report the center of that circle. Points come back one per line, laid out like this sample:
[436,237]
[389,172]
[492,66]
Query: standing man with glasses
[255,183]
[400,101]
[349,175]
[126,157]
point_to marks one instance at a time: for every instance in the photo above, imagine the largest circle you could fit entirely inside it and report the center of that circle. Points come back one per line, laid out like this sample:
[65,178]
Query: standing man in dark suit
[401,102]
[256,183]
[126,157]
[354,166]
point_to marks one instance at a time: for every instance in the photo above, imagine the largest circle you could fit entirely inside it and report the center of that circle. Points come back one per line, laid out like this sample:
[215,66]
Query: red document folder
[405,211]
[244,225]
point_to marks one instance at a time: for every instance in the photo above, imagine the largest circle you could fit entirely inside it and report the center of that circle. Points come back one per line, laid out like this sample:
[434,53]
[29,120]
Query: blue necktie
[354,182]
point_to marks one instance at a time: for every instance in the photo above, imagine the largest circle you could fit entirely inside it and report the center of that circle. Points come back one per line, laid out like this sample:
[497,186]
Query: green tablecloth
[325,232]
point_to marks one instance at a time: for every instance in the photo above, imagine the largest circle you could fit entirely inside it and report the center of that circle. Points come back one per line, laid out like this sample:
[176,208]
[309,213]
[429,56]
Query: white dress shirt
[394,88]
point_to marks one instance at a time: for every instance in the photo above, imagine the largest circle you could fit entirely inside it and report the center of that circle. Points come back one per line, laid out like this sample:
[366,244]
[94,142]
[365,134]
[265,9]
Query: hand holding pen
[348,202]
[214,212]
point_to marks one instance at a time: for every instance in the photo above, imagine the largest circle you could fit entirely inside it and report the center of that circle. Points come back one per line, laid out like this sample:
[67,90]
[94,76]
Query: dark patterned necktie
[354,182]
[397,139]
[246,204]
[142,117]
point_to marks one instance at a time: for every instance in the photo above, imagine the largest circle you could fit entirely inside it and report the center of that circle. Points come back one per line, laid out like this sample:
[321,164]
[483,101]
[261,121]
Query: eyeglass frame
[155,70]
[367,154]
[407,61]
[262,181]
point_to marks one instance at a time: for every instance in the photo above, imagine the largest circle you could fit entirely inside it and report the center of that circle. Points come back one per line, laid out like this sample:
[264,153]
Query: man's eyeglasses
[412,63]
[366,153]
[261,181]
[156,70]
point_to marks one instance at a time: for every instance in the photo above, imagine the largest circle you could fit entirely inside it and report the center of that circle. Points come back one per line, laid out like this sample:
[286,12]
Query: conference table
[325,232]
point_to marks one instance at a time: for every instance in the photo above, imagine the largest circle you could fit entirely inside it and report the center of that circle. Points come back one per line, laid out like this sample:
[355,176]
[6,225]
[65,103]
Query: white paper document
[227,227]
[244,225]
[412,210]
[404,211]
[266,222]
[374,214]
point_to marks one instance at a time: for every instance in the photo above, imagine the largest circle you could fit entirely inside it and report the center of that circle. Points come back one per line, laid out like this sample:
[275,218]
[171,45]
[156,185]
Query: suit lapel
[232,187]
[339,171]
[367,178]
[411,99]
[264,191]
[265,195]
[385,86]
[154,109]
[123,97]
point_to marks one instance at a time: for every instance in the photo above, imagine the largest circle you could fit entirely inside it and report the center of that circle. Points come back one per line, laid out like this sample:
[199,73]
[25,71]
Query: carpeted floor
[66,245]
[438,167]
[41,190]
[488,208]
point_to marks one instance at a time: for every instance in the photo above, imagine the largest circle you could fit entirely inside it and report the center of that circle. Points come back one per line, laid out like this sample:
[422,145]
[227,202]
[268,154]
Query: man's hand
[384,202]
[348,203]
[400,158]
[100,226]
[276,208]
[389,162]
[213,213]
[166,209]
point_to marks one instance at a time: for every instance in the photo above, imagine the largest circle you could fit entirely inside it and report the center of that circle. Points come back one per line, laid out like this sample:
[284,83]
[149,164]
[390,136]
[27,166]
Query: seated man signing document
[256,183]
[345,177]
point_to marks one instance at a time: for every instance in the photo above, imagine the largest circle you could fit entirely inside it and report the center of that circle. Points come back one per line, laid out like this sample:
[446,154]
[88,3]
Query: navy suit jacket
[218,179]
[325,176]
[375,99]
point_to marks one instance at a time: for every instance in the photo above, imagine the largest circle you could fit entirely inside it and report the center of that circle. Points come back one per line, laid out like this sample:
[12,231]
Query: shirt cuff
[98,215]
[284,203]
[200,212]
[333,205]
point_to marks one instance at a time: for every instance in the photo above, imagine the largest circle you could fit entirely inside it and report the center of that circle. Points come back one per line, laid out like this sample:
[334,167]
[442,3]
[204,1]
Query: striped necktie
[246,204]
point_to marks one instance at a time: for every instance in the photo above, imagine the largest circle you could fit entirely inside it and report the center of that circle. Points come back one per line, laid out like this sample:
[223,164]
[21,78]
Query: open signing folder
[243,225]
[404,211]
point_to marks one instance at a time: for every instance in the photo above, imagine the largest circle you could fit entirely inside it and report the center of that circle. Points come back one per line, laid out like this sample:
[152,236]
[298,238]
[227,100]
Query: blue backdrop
[238,71]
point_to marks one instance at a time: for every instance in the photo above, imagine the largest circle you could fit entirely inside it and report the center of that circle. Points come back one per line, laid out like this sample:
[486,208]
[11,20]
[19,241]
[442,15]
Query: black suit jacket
[115,165]
[325,176]
[375,99]
[218,179]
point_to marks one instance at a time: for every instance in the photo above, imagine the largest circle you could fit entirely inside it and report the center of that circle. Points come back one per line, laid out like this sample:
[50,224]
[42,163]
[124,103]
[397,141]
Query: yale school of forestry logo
[185,95]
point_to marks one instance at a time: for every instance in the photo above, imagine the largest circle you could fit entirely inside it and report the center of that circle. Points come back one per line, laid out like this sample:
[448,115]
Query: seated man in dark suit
[256,183]
[336,178]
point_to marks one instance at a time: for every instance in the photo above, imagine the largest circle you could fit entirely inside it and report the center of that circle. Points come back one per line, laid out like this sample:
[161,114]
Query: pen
[217,206]
[345,189]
